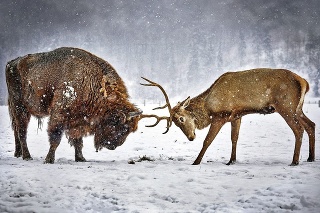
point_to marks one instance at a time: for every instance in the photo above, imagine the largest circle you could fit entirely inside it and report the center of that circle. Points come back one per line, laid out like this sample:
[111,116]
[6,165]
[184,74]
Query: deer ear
[185,103]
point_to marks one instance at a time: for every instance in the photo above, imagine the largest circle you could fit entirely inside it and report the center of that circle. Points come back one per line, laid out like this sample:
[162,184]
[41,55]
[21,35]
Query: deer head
[182,118]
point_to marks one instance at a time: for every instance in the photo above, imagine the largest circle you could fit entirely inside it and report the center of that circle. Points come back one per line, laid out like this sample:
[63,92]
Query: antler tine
[158,120]
[162,90]
[169,119]
[162,107]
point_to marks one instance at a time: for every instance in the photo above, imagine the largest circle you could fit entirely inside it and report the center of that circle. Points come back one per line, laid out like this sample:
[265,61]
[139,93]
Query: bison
[81,93]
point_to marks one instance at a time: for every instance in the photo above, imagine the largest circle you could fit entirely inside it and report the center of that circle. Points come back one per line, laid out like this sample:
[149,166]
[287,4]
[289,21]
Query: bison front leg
[78,145]
[213,131]
[55,134]
[235,127]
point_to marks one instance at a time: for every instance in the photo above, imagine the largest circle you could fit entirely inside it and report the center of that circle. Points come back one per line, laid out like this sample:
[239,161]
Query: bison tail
[14,85]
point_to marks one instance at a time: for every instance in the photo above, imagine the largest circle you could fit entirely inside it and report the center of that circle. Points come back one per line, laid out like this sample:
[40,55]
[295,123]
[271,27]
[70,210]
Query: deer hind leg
[213,131]
[294,123]
[309,126]
[235,127]
[78,145]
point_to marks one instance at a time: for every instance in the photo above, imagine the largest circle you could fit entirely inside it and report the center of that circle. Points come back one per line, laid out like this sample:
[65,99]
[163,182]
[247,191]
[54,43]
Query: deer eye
[181,119]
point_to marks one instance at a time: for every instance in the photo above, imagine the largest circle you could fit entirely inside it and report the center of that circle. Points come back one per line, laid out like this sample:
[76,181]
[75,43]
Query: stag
[235,94]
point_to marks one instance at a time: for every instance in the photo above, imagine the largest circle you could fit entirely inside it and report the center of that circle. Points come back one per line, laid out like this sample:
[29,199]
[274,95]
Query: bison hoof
[27,158]
[310,159]
[196,163]
[17,154]
[82,159]
[49,161]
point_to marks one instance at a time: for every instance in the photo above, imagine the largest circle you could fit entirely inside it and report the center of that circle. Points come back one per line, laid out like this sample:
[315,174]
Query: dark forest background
[184,44]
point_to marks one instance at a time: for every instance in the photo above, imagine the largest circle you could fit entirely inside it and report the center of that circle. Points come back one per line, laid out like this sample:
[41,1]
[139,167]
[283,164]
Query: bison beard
[112,135]
[81,93]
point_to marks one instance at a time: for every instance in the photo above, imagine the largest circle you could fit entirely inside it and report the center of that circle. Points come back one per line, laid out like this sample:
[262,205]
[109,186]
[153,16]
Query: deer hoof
[294,163]
[196,163]
[231,162]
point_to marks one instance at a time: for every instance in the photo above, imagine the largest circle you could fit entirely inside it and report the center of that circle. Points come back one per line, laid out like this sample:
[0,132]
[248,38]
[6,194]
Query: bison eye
[181,119]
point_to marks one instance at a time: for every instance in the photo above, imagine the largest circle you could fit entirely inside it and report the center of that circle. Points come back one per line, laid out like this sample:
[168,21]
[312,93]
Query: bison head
[113,130]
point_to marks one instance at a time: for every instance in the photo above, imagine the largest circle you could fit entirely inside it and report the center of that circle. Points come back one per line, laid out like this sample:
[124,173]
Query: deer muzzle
[191,137]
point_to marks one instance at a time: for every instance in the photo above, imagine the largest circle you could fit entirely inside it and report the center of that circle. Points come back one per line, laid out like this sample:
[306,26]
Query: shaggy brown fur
[82,94]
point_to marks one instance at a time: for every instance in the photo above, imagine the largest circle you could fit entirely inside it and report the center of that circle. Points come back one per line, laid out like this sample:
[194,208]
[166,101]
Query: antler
[158,120]
[169,119]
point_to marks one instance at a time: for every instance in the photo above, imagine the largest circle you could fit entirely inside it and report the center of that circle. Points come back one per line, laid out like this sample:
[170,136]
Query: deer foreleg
[235,127]
[213,131]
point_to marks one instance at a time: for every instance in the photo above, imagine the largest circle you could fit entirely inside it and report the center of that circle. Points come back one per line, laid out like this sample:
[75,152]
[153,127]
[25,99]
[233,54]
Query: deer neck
[199,112]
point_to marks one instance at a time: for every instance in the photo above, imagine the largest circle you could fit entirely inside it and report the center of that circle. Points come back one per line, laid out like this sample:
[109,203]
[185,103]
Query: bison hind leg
[18,150]
[20,118]
[78,145]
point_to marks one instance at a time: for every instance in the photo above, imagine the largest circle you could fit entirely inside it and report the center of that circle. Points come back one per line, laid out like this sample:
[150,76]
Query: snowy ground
[261,180]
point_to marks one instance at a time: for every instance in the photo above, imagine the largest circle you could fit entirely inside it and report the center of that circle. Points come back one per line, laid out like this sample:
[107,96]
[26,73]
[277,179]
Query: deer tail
[304,88]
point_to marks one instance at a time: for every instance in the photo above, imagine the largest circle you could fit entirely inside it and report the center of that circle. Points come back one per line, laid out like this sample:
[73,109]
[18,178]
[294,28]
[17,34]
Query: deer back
[258,90]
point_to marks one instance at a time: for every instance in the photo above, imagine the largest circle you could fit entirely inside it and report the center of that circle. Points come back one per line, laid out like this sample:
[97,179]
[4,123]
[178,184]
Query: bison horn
[123,118]
[133,114]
